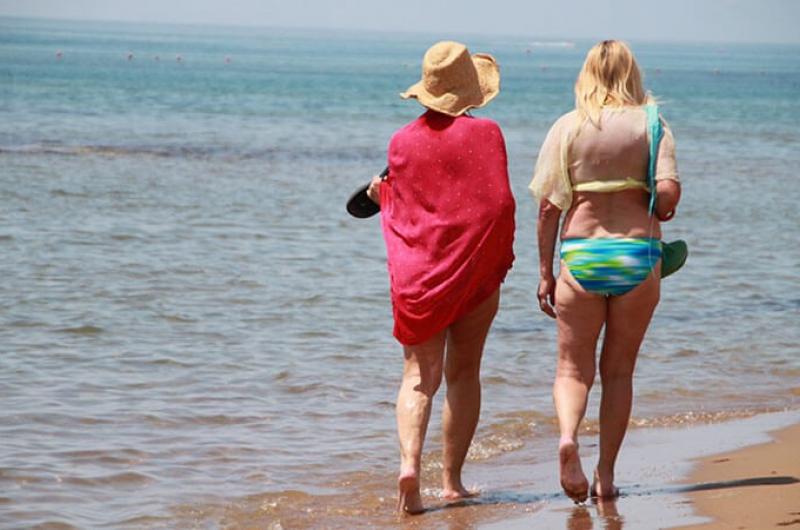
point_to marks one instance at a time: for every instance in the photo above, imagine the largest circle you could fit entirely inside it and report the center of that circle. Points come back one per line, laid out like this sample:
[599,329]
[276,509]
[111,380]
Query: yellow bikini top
[609,186]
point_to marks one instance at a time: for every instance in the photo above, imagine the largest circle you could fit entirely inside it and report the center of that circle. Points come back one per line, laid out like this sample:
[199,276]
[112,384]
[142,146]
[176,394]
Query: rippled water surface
[193,331]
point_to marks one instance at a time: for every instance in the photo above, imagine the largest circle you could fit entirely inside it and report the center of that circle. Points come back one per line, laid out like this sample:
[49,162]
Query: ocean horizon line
[371,32]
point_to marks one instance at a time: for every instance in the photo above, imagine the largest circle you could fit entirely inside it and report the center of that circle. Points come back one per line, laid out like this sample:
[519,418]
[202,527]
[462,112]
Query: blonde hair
[610,77]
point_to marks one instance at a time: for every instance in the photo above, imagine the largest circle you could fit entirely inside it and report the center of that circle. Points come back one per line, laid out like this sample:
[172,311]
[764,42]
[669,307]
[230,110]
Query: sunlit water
[193,330]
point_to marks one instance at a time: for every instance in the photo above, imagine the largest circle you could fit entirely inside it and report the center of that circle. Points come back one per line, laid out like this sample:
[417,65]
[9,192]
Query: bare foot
[458,493]
[603,487]
[409,500]
[573,481]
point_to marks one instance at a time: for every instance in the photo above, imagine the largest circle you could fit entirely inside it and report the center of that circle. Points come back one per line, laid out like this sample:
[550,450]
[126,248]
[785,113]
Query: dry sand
[757,487]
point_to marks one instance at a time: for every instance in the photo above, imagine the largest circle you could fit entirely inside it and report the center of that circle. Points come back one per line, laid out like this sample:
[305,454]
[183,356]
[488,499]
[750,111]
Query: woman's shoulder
[566,119]
[478,124]
[406,130]
[564,123]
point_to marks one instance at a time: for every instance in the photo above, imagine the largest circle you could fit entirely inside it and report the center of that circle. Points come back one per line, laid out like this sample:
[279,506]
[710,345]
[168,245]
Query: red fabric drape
[447,214]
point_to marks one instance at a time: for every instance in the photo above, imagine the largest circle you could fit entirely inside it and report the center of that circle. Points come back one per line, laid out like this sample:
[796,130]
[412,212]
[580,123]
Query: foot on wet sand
[573,481]
[458,493]
[409,500]
[603,488]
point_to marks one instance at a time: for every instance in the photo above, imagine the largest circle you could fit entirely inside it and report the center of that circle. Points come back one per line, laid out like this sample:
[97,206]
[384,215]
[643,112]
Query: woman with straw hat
[604,167]
[447,214]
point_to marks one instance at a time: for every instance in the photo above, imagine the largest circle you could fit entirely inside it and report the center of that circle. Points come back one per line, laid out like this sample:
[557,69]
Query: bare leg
[627,321]
[462,406]
[422,375]
[580,318]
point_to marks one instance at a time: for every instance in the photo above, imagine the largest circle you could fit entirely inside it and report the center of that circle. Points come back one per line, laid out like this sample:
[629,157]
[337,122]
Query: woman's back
[448,219]
[617,151]
[446,168]
[599,174]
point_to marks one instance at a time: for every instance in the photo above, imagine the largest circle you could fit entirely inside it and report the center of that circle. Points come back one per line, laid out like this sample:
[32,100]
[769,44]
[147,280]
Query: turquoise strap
[655,131]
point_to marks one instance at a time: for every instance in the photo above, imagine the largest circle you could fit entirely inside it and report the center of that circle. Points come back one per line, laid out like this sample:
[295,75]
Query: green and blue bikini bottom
[610,266]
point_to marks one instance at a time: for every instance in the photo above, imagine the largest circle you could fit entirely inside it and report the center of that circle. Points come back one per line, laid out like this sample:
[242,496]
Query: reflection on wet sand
[606,515]
[476,512]
[596,514]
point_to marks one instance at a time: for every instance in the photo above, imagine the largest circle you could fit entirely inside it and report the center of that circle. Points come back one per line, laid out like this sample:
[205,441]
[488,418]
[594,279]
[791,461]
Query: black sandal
[360,205]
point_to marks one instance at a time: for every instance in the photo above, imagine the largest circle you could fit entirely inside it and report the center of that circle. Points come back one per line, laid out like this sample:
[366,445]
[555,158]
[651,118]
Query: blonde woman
[593,168]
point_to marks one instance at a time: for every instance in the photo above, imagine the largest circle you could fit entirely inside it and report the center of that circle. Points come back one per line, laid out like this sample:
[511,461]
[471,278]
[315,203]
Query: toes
[578,494]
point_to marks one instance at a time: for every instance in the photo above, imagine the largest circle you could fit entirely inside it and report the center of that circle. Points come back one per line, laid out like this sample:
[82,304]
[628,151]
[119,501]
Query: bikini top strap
[654,132]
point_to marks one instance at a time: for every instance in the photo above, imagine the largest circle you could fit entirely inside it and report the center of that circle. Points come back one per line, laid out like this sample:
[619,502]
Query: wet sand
[756,487]
[658,474]
[662,487]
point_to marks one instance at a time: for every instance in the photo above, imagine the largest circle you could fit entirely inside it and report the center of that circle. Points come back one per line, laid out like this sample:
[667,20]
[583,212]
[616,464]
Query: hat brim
[457,103]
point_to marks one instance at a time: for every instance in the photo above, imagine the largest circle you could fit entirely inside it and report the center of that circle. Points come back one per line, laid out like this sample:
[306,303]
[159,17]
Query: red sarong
[447,214]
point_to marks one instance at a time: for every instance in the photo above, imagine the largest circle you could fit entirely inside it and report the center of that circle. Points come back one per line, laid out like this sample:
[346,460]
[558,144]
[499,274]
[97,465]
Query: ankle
[604,473]
[451,479]
[408,471]
[568,441]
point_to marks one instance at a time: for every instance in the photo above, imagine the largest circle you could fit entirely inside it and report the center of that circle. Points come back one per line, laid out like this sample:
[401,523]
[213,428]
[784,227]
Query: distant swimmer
[227,59]
[59,54]
[156,58]
[130,56]
[179,58]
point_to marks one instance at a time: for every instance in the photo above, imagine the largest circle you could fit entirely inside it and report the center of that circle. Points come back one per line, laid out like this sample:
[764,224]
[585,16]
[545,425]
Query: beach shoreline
[673,478]
[657,475]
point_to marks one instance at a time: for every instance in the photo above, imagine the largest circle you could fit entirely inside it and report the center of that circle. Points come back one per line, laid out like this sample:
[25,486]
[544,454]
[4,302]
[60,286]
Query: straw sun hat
[453,81]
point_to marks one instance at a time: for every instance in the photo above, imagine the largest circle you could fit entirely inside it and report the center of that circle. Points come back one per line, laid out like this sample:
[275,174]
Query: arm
[552,189]
[374,190]
[668,193]
[668,185]
[547,232]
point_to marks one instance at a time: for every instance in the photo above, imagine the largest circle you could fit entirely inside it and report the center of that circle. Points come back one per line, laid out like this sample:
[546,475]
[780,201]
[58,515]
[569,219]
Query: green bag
[673,254]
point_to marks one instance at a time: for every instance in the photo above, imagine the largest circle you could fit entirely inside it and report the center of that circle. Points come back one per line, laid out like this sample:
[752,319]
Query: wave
[126,478]
[181,151]
[82,330]
[552,44]
[223,152]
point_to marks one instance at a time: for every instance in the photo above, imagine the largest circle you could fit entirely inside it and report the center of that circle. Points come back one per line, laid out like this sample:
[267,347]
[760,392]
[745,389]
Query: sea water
[193,332]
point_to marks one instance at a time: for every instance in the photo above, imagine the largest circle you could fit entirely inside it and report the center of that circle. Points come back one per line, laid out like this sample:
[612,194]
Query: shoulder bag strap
[654,131]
